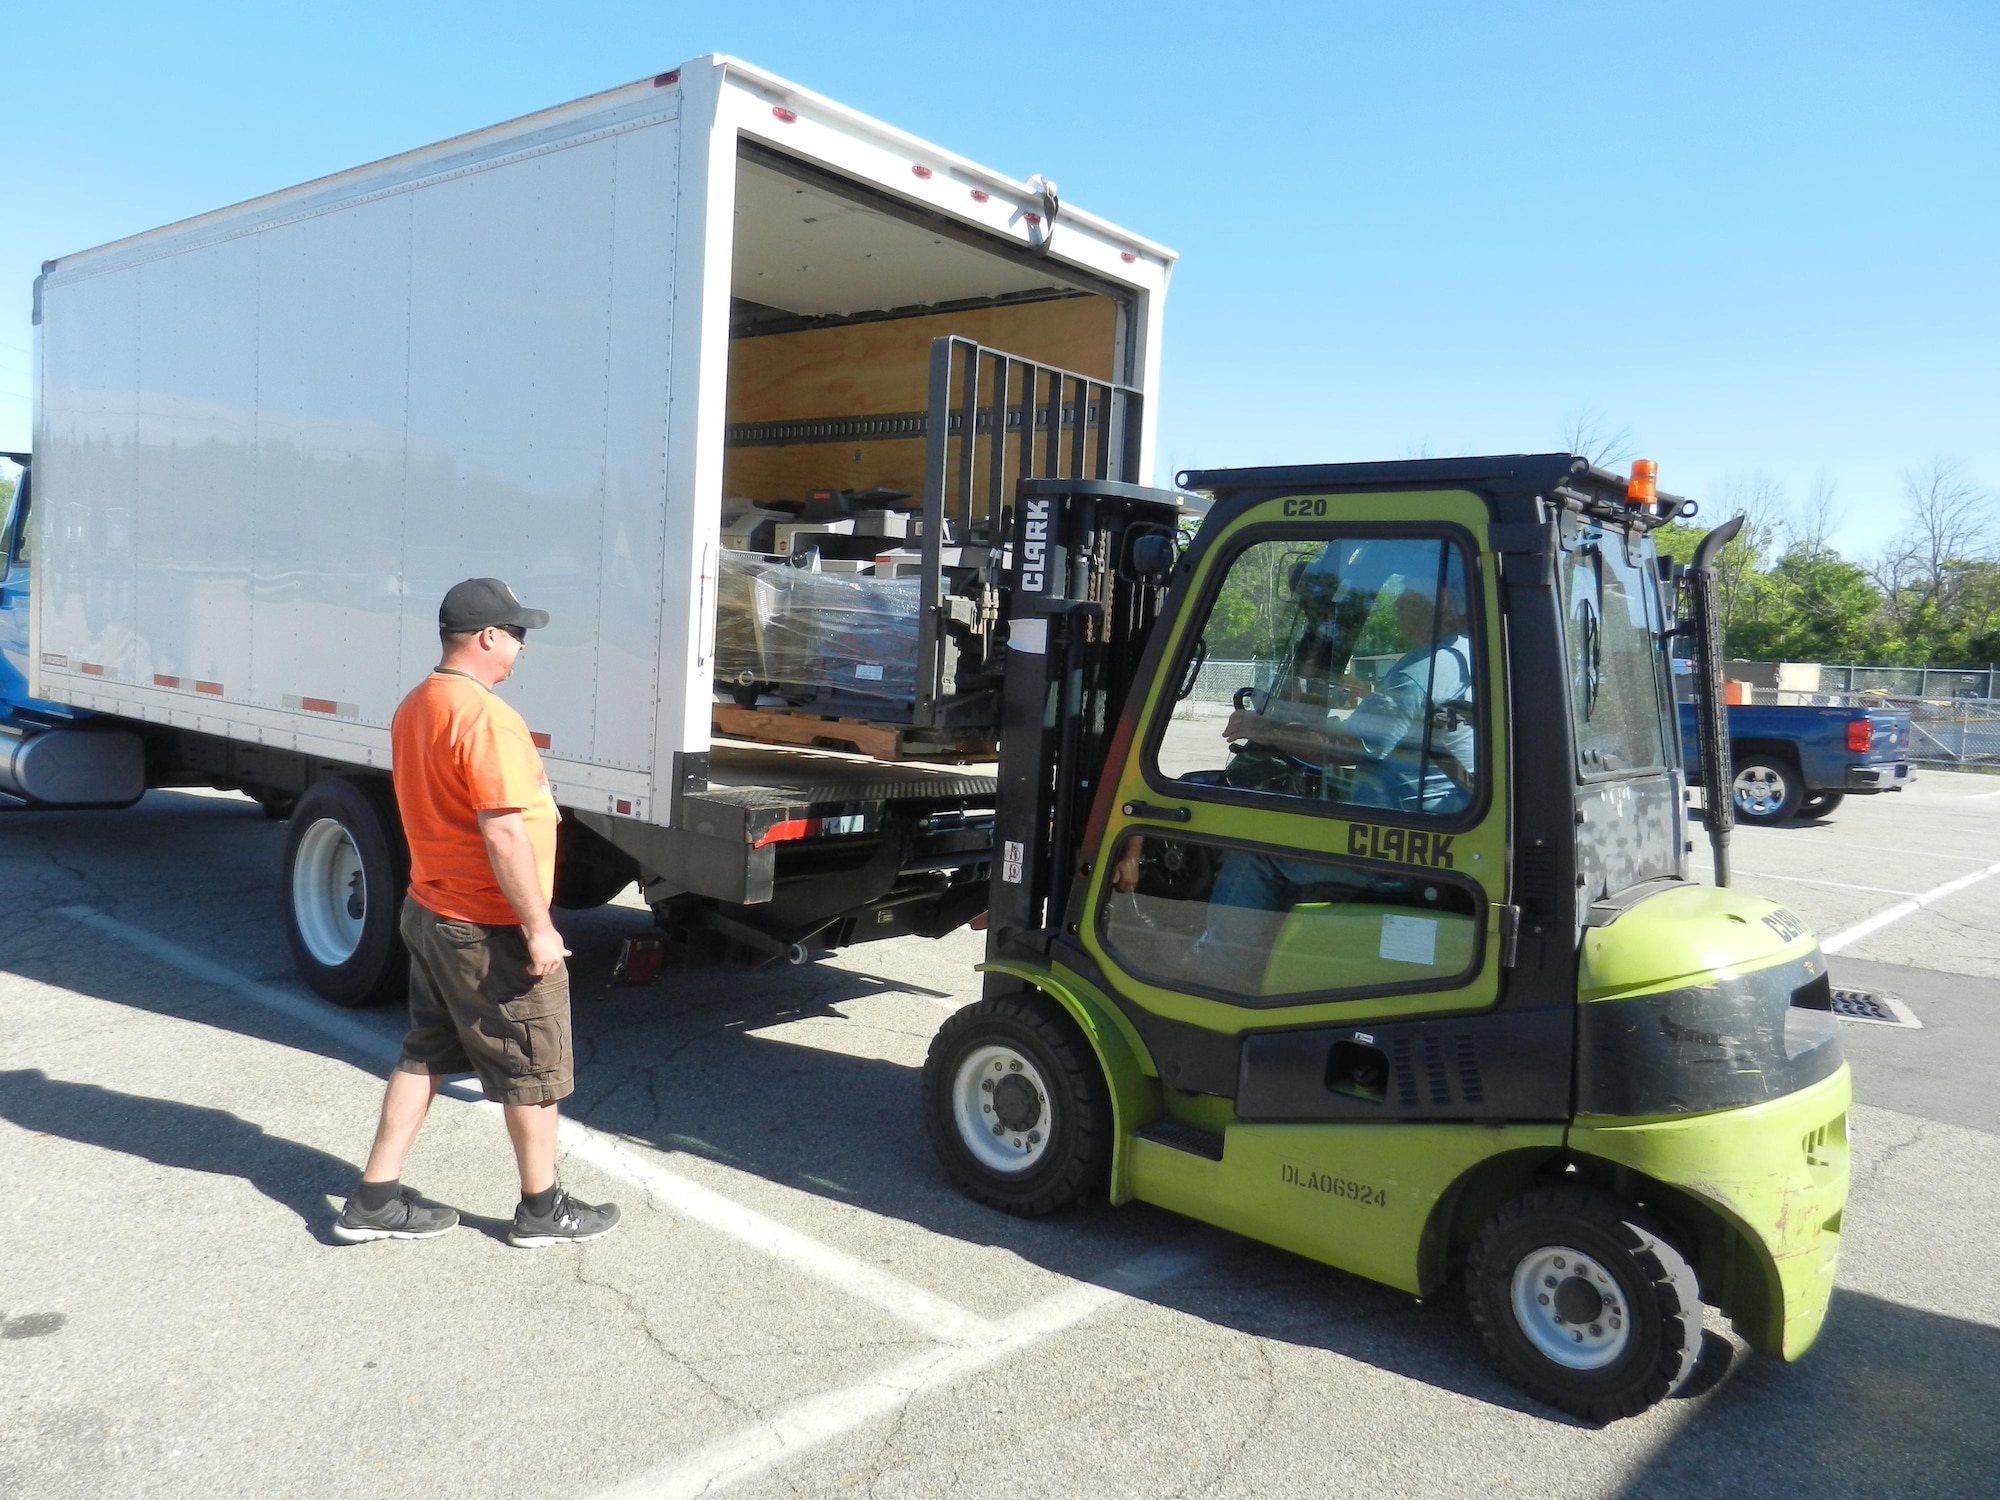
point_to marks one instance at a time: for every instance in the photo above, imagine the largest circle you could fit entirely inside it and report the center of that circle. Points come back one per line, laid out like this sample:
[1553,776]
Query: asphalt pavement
[798,1303]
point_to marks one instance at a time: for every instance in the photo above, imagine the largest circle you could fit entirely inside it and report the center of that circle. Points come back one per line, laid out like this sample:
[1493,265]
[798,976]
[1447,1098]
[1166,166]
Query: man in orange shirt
[488,990]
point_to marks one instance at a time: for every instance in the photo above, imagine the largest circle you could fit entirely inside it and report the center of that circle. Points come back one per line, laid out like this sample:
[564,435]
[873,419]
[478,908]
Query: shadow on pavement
[180,1135]
[195,1138]
[1891,1402]
[690,1065]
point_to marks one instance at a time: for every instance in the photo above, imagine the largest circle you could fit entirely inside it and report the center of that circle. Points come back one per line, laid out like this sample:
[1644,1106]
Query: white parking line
[966,1341]
[936,1316]
[1832,885]
[347,1030]
[818,1420]
[1923,854]
[1848,936]
[1982,796]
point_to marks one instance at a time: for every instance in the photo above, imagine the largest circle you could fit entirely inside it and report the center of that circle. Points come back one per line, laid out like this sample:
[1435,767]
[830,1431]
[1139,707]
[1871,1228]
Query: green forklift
[1340,898]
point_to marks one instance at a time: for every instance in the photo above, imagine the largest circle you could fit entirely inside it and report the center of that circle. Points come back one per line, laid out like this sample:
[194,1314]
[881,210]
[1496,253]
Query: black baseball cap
[479,602]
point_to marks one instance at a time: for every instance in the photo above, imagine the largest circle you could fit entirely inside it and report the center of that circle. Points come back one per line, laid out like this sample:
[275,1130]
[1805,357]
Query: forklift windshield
[1337,671]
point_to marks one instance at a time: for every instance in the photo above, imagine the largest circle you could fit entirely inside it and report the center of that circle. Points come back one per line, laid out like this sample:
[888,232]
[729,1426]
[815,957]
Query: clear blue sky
[1764,237]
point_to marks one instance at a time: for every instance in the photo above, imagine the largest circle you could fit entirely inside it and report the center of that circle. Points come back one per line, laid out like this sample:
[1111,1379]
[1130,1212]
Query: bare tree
[1950,523]
[1761,500]
[1814,520]
[1588,433]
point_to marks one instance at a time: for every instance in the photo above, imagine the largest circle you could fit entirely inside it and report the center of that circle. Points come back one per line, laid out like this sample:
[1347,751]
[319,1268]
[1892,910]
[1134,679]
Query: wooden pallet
[777,726]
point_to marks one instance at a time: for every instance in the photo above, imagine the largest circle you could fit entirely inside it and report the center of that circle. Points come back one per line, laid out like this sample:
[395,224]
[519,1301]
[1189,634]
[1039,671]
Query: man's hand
[545,951]
[1125,874]
[512,855]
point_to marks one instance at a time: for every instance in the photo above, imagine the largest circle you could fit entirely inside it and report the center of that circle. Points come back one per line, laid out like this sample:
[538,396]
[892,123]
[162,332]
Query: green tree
[1813,605]
[1740,596]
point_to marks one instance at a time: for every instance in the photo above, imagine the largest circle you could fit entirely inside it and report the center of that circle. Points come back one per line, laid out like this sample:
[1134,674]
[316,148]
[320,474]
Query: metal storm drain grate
[1878,1010]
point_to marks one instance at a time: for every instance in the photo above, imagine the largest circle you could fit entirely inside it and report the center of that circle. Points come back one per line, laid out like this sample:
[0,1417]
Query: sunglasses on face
[518,632]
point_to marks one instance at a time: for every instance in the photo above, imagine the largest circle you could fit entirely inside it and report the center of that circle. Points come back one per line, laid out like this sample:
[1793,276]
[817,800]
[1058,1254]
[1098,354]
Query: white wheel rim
[1002,1123]
[327,884]
[1760,791]
[1571,1308]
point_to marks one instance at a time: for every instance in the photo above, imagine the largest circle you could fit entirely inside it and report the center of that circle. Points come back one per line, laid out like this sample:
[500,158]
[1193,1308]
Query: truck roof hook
[1045,189]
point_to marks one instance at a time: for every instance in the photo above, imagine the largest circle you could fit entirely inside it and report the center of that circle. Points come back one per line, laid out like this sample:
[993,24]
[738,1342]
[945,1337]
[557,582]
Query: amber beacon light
[1644,486]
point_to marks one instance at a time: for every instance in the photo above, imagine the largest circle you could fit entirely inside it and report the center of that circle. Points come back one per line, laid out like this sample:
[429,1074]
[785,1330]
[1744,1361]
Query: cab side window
[1338,671]
[14,533]
[1611,619]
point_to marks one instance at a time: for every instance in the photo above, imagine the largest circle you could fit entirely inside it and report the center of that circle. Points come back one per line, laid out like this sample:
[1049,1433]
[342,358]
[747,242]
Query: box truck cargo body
[268,439]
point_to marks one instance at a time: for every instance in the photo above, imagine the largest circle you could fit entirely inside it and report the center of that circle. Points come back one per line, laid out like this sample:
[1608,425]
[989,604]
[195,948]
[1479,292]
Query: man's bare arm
[512,855]
[1308,742]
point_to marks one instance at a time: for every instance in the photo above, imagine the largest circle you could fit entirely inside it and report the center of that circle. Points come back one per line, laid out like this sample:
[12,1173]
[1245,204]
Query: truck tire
[581,887]
[1820,804]
[343,879]
[1766,788]
[1583,1304]
[1016,1106]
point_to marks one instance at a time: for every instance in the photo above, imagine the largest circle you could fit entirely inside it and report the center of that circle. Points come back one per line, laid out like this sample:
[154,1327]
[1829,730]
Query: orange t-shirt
[459,750]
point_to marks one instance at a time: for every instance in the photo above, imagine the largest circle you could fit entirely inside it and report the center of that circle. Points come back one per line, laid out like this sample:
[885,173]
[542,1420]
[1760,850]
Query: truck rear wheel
[1820,804]
[1016,1106]
[345,871]
[1583,1304]
[1767,789]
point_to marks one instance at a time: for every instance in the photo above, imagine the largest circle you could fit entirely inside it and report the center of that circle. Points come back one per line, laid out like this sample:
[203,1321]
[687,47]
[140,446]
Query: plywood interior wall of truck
[835,304]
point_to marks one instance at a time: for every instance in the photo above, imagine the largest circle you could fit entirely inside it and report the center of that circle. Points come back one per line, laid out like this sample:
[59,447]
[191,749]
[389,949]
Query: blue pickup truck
[1802,761]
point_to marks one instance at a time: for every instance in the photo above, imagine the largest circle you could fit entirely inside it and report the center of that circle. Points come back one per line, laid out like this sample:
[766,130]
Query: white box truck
[266,440]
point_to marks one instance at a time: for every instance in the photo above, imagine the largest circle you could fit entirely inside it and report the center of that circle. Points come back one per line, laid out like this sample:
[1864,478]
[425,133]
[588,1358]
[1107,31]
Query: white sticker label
[1409,940]
[1013,856]
[1031,636]
[869,671]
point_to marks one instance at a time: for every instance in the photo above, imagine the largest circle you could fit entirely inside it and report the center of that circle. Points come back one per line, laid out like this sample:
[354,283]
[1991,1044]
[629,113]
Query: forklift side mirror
[1195,664]
[1152,556]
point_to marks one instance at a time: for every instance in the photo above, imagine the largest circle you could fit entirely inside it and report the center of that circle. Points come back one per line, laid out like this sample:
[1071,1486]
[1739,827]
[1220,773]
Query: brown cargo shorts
[474,1008]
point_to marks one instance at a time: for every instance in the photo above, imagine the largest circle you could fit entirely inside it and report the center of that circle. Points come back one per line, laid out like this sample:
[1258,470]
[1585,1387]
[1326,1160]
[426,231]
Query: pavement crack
[1920,1128]
[643,1320]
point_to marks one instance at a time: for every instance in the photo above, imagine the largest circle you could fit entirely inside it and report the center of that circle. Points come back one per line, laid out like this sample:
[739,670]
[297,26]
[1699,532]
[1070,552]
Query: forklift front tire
[1583,1304]
[1017,1107]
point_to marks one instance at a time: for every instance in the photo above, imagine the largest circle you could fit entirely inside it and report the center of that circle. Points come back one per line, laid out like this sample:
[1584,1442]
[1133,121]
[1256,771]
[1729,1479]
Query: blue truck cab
[50,754]
[14,567]
[1802,760]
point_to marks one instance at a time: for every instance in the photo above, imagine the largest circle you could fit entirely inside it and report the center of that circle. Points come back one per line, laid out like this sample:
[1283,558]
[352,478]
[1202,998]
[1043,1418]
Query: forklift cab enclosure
[1377,940]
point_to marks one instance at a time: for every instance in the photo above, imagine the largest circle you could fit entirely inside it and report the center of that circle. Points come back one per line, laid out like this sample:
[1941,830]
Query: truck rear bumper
[1889,778]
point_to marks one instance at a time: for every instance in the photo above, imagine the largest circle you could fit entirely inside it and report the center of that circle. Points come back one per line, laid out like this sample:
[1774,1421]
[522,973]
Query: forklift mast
[1090,564]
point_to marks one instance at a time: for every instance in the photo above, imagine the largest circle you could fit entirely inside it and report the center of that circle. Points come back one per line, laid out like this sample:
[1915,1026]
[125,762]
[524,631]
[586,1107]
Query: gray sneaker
[404,1217]
[567,1222]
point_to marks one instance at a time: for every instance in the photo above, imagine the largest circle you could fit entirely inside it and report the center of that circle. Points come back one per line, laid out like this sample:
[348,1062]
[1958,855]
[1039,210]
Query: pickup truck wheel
[1820,804]
[344,875]
[1766,789]
[1016,1106]
[1583,1304]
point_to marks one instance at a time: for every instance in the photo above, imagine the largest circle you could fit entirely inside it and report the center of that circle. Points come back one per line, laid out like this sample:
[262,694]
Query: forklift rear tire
[342,883]
[1016,1106]
[1584,1304]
